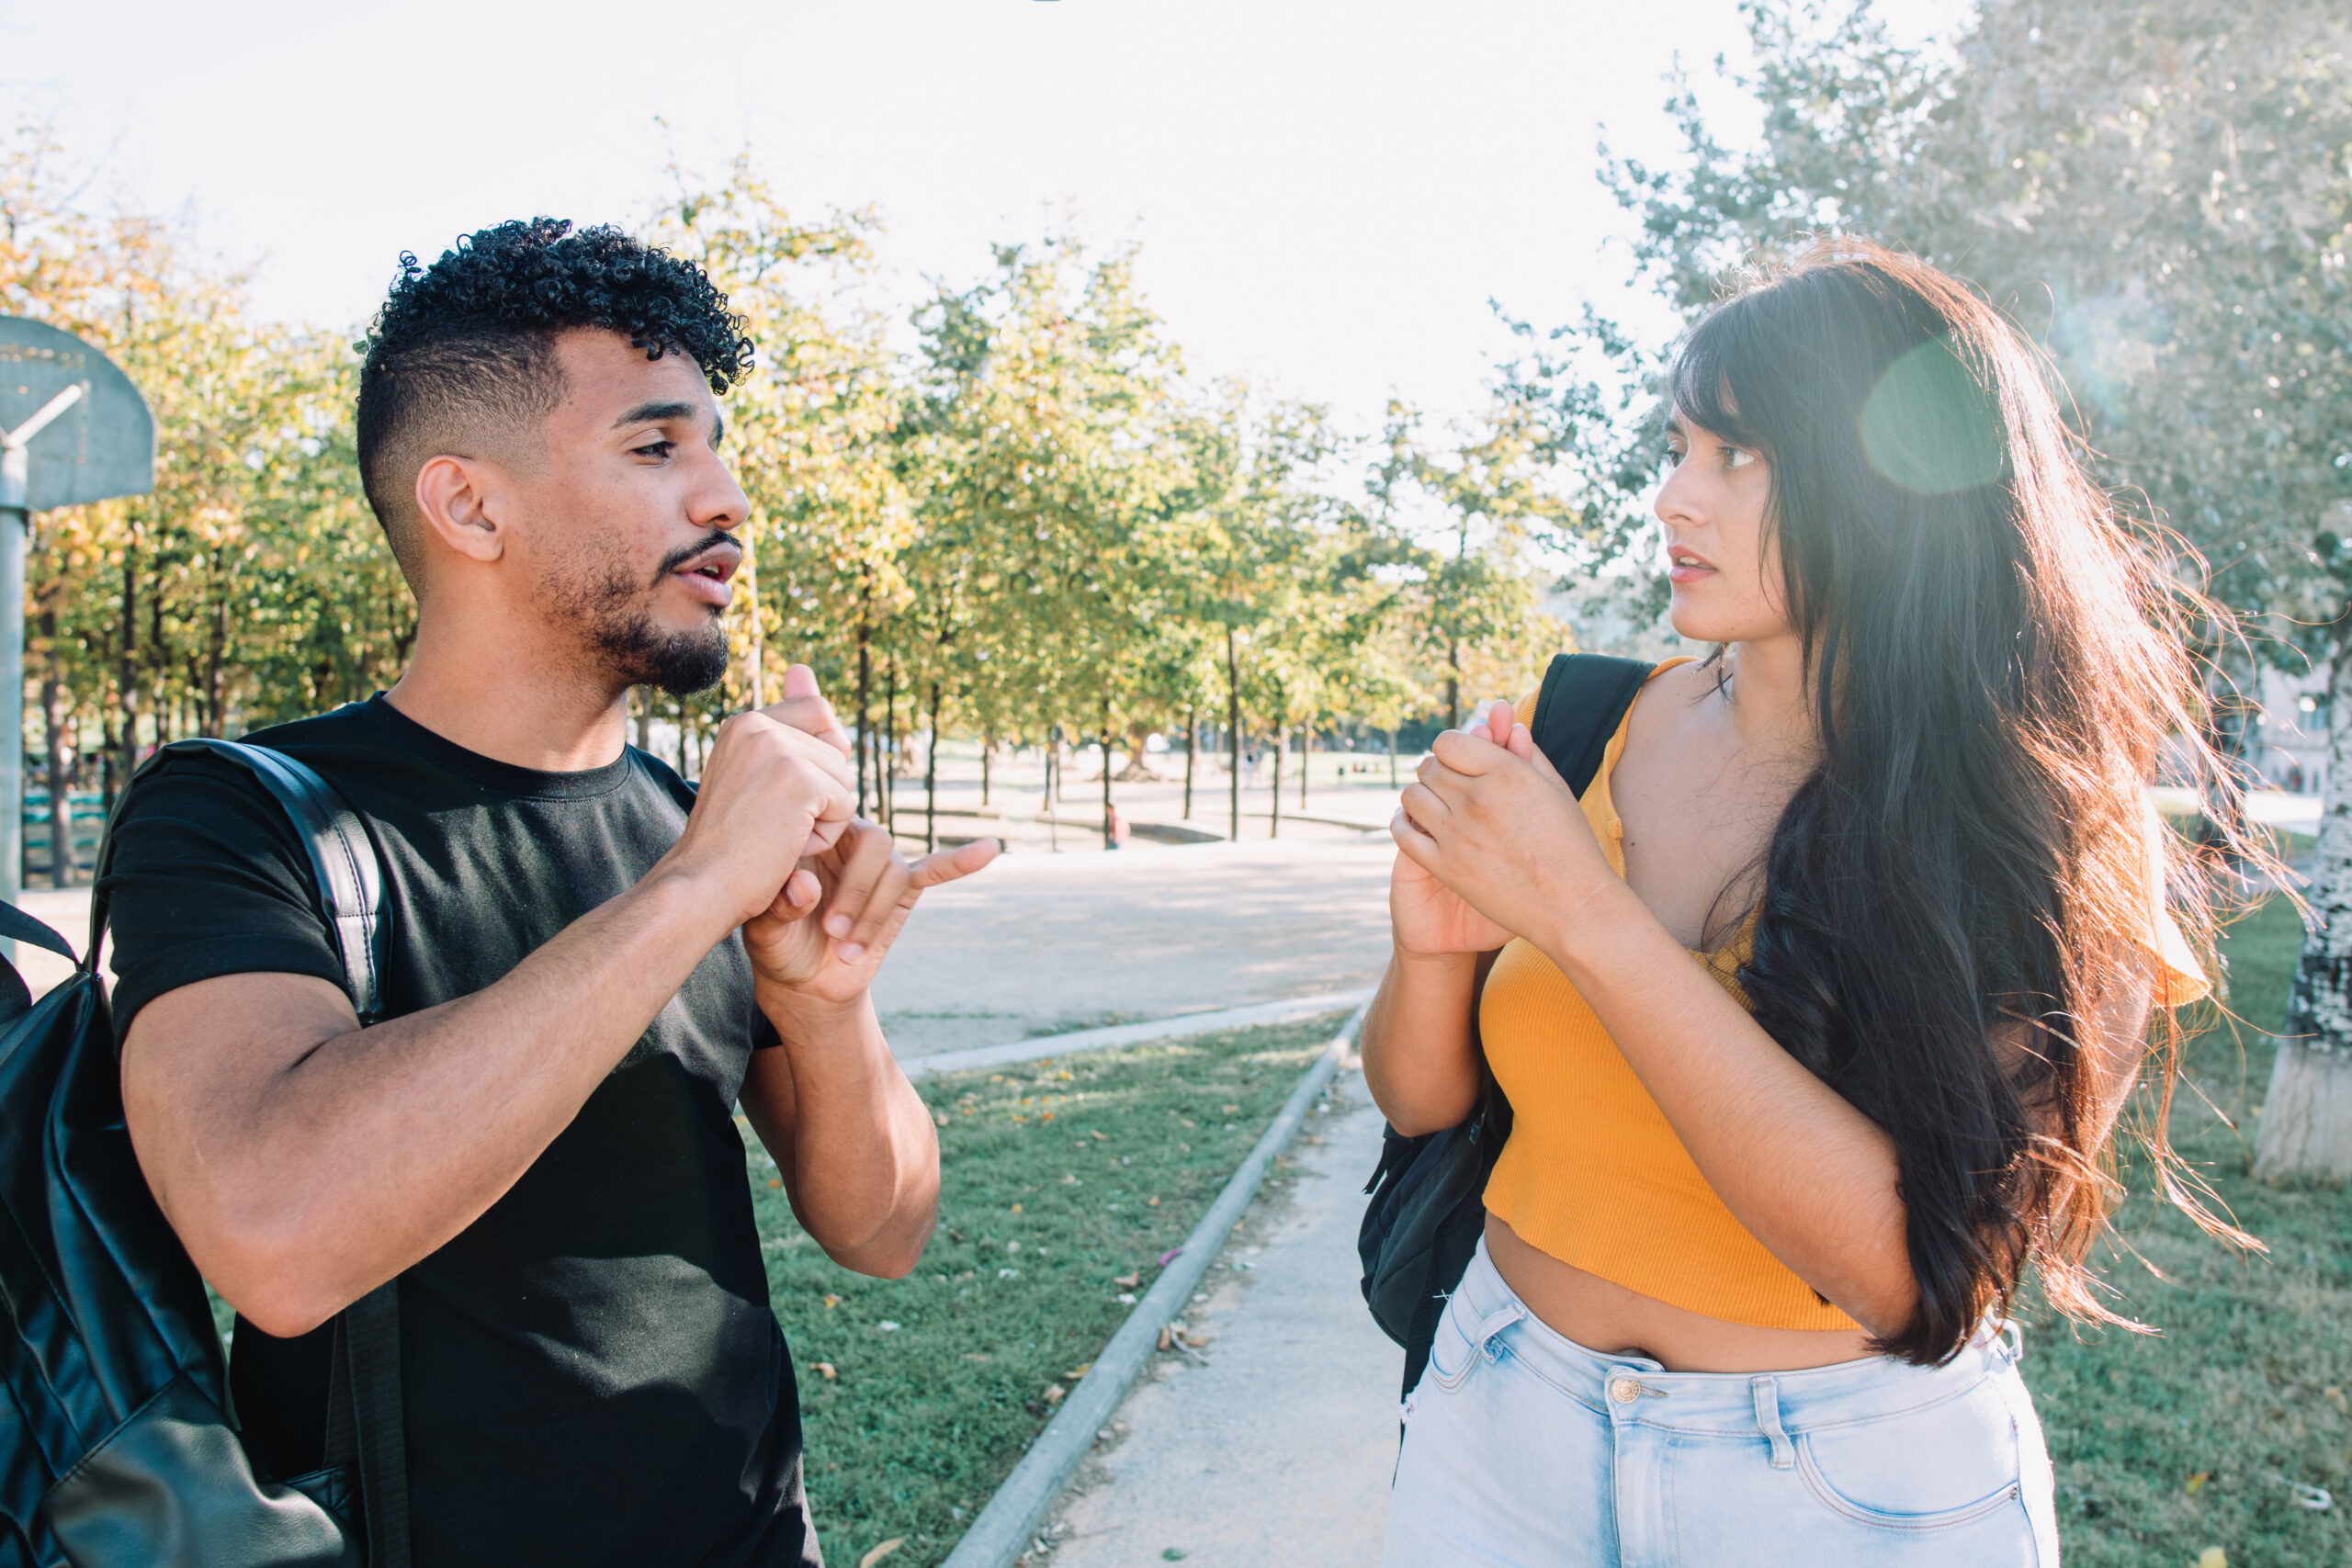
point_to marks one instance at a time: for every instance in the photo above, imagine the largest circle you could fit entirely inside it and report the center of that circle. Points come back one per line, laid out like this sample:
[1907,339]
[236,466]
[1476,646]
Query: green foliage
[1048,1170]
[2160,193]
[1035,519]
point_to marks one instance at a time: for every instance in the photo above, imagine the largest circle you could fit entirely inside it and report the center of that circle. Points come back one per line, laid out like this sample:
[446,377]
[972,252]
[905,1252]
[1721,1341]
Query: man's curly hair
[469,342]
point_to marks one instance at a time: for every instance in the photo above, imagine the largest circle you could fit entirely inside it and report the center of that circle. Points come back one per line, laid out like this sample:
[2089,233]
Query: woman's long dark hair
[1996,663]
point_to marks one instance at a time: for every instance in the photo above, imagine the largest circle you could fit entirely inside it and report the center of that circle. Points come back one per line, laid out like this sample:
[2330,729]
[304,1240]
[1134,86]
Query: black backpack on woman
[117,1447]
[1427,1205]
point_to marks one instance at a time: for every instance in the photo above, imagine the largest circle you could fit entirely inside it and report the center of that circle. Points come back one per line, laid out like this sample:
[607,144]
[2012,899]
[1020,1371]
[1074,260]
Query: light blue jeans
[1524,1449]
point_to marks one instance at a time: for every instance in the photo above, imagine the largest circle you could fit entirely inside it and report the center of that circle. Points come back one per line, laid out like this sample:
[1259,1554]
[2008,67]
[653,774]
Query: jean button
[1625,1390]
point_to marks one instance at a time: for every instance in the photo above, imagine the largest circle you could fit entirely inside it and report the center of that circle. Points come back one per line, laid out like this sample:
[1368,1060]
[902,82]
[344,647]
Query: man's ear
[454,498]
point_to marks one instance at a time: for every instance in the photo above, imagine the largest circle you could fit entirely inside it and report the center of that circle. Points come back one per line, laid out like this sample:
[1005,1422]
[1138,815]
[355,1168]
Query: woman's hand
[1429,918]
[1491,826]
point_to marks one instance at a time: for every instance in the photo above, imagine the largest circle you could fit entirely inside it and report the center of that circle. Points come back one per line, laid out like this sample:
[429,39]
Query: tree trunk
[931,779]
[1274,801]
[1306,760]
[1232,732]
[1191,745]
[130,671]
[682,738]
[60,804]
[1454,685]
[888,800]
[864,680]
[1392,759]
[1108,842]
[641,709]
[216,657]
[2307,1115]
[988,754]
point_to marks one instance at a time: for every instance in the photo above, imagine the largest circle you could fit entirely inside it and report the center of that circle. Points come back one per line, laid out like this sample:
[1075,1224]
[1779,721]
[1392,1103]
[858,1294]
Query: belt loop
[1767,1420]
[1494,1323]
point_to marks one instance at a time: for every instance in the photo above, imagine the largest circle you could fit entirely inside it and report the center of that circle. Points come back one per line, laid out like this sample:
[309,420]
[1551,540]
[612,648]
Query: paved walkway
[1278,1452]
[1042,942]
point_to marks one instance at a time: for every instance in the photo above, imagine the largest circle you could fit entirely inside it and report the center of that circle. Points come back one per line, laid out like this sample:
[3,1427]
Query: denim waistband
[1635,1388]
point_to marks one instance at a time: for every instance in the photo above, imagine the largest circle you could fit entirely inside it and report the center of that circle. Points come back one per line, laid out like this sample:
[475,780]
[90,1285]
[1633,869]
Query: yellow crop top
[1592,1173]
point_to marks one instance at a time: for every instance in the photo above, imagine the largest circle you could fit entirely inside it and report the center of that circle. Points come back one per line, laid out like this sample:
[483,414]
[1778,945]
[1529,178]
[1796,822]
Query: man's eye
[656,450]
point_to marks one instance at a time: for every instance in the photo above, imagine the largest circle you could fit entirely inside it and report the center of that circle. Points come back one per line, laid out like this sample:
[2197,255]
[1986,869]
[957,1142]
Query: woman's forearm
[1807,1173]
[1420,1053]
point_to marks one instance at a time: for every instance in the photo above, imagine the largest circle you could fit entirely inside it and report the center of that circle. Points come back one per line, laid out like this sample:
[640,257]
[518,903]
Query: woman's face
[1725,574]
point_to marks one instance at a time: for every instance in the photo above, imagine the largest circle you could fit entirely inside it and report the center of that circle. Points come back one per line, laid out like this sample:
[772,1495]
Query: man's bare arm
[852,1139]
[303,1160]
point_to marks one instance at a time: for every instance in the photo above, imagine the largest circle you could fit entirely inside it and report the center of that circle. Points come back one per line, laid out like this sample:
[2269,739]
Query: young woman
[1817,1012]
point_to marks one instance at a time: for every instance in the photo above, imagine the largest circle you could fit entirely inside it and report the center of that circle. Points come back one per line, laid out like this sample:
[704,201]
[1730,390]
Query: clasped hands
[790,761]
[1491,844]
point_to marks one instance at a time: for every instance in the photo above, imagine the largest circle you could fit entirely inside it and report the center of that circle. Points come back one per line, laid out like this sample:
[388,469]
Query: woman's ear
[453,498]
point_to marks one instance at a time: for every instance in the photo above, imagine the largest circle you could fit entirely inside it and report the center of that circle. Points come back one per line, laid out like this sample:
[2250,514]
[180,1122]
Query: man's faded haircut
[468,345]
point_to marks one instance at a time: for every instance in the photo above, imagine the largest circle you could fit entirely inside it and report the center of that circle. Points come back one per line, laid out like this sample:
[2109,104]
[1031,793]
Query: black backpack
[118,1448]
[1427,1206]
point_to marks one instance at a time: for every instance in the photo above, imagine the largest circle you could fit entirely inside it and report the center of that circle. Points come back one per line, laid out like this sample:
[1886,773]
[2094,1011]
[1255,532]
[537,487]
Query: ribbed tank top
[1592,1172]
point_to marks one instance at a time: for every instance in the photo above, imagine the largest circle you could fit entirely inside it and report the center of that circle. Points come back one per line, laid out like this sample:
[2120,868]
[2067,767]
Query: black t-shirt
[590,1370]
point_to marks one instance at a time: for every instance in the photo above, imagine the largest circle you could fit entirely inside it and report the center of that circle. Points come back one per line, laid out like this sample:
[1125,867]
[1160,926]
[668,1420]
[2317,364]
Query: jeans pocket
[1949,1464]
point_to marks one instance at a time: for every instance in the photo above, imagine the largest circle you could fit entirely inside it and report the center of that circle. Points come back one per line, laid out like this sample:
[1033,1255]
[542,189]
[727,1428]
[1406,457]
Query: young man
[591,964]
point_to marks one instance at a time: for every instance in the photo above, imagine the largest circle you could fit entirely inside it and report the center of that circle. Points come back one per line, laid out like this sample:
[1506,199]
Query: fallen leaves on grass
[1054,1394]
[831,1301]
[2212,1557]
[1129,1280]
[879,1552]
[1076,1373]
[825,1370]
[2197,1482]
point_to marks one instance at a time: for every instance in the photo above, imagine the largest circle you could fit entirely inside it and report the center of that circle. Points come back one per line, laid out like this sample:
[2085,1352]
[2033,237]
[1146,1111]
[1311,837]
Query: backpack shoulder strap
[1583,700]
[345,870]
[364,1418]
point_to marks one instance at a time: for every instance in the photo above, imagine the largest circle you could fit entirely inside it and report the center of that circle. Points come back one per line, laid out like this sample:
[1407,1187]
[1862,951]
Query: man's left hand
[865,889]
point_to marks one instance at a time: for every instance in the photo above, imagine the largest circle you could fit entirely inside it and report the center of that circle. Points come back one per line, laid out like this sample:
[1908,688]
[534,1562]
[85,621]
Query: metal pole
[14,521]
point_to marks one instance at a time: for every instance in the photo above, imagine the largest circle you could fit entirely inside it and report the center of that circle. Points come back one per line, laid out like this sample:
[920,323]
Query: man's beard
[614,612]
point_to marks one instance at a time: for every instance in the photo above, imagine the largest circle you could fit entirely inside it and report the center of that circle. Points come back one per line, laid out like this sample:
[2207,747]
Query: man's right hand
[771,795]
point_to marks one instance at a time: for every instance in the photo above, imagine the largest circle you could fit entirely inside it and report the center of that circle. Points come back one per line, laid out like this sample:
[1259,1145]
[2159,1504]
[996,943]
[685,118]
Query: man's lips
[705,575]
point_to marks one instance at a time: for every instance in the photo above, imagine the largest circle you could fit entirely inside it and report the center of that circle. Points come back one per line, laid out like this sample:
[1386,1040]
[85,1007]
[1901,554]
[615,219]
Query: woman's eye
[1737,457]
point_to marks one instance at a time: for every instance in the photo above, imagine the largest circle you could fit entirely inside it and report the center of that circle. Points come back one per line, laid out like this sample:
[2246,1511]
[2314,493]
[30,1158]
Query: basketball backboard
[102,444]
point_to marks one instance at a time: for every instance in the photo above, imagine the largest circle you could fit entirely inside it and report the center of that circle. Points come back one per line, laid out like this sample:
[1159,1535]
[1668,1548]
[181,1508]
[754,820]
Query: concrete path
[1278,1452]
[1038,943]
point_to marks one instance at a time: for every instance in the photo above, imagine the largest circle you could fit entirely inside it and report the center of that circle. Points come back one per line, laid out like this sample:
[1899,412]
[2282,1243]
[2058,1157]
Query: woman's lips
[1688,571]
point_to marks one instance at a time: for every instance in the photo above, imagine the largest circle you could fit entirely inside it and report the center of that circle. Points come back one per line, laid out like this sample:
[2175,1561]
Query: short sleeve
[207,878]
[2179,979]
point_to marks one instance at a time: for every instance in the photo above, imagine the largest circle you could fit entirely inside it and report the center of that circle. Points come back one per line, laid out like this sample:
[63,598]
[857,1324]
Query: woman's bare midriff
[1615,1321]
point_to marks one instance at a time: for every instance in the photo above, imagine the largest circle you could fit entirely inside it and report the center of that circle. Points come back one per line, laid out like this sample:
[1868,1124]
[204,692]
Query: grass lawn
[2171,1445]
[1061,1179]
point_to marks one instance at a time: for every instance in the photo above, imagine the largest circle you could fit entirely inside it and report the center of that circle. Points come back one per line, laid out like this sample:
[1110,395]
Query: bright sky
[1326,192]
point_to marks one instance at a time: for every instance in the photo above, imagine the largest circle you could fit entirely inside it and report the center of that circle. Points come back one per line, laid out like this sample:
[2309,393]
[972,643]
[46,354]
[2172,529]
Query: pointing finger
[947,865]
